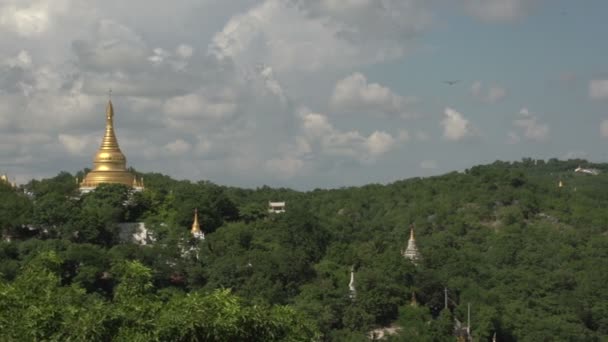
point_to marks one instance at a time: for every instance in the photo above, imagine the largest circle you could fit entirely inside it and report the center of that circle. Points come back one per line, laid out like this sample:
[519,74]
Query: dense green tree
[526,254]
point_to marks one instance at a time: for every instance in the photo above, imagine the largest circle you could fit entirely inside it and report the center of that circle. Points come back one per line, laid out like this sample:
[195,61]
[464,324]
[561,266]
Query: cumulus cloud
[312,35]
[319,133]
[530,127]
[499,10]
[29,18]
[355,94]
[598,89]
[114,47]
[184,51]
[178,147]
[455,126]
[78,144]
[379,143]
[491,94]
[212,88]
[215,106]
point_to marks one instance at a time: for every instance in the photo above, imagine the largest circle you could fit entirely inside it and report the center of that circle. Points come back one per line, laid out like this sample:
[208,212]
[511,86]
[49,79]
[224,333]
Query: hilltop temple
[411,252]
[4,179]
[110,164]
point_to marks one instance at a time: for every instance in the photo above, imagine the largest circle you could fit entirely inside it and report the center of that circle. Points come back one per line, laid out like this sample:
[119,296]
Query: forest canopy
[523,243]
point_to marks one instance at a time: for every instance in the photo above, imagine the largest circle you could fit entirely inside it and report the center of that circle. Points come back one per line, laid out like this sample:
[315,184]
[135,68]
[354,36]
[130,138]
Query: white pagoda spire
[411,252]
[351,284]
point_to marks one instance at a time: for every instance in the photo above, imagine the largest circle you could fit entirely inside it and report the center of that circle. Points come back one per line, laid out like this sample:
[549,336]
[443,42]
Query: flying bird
[452,82]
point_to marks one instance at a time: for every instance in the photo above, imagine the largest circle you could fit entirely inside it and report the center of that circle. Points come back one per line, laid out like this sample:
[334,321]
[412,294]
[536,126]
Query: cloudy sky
[301,93]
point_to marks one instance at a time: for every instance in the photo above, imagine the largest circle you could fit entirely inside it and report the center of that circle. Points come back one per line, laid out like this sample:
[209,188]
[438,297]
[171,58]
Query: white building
[593,172]
[276,207]
[411,252]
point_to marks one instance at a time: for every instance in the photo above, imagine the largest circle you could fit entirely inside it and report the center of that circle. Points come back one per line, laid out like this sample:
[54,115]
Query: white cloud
[498,10]
[491,94]
[319,132]
[354,93]
[26,18]
[379,143]
[78,144]
[312,35]
[271,83]
[531,128]
[178,147]
[513,138]
[113,47]
[23,60]
[455,126]
[184,51]
[215,106]
[428,164]
[604,128]
[598,89]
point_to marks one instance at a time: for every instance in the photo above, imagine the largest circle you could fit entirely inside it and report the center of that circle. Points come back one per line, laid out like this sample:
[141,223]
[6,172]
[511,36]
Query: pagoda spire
[109,164]
[413,301]
[196,228]
[109,142]
[411,252]
[351,284]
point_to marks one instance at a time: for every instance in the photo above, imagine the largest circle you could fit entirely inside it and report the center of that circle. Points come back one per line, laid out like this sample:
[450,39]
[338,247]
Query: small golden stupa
[196,228]
[110,164]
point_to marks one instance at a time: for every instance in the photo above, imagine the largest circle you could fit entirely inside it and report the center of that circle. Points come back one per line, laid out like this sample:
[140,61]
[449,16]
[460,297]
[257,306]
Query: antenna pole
[469,318]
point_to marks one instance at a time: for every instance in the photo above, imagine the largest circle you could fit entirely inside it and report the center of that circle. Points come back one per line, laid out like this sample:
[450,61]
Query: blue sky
[304,94]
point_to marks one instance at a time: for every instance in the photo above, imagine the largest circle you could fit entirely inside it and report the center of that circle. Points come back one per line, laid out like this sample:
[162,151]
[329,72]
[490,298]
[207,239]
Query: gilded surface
[110,164]
[196,228]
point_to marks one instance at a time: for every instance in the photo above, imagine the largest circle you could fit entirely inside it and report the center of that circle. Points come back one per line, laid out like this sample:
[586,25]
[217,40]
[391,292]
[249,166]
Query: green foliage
[528,256]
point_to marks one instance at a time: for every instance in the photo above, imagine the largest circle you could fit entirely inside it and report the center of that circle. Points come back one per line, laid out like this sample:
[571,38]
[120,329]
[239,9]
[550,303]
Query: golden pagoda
[4,179]
[196,228]
[110,165]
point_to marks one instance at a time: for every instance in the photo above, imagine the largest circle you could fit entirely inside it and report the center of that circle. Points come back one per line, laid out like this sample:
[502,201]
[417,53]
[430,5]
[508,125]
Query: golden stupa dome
[109,164]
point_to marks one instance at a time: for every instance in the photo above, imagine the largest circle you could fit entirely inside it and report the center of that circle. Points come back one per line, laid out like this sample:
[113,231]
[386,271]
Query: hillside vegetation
[530,258]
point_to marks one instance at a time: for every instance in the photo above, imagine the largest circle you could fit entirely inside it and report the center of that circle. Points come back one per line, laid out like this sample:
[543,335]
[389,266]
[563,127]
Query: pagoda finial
[109,108]
[412,232]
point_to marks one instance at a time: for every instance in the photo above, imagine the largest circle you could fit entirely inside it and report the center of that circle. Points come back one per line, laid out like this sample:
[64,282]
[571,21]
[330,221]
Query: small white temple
[196,231]
[276,207]
[411,252]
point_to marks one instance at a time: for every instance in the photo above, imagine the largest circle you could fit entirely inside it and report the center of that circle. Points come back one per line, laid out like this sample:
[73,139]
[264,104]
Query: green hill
[528,255]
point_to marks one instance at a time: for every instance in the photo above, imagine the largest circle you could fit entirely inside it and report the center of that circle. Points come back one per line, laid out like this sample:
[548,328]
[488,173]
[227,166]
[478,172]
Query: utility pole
[445,298]
[469,319]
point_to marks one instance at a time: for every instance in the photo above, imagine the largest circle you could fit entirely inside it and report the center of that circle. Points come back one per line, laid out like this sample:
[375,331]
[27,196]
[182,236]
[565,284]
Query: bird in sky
[451,82]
